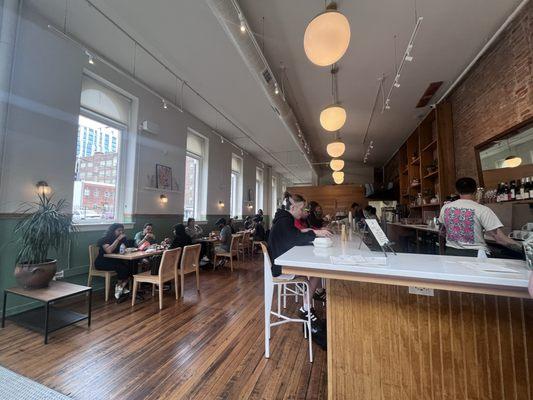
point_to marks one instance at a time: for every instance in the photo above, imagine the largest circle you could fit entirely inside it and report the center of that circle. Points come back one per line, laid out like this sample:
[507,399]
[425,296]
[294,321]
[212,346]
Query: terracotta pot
[35,276]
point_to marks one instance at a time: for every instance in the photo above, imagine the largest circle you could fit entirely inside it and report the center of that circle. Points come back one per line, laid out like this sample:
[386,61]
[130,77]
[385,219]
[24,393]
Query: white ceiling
[187,37]
[451,34]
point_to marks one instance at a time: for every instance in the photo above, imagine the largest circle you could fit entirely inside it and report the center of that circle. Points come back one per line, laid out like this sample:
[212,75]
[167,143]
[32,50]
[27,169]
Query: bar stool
[281,282]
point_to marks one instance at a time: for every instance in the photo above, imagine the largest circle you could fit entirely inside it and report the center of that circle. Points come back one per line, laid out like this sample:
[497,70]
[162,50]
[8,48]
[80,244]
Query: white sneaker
[206,259]
[125,290]
[118,291]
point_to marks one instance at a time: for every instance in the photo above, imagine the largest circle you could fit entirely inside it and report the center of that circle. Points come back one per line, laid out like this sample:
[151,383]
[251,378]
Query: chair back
[246,238]
[267,263]
[169,263]
[235,239]
[93,253]
[190,258]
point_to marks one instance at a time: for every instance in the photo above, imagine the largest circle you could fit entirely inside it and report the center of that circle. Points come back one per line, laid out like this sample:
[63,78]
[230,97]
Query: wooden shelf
[415,206]
[414,186]
[416,161]
[405,171]
[405,194]
[431,205]
[430,145]
[433,174]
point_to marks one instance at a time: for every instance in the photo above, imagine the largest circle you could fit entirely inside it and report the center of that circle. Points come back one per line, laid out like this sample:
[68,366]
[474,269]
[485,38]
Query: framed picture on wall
[163,176]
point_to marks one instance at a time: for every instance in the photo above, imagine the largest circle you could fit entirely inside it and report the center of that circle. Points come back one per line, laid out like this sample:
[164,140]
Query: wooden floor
[207,346]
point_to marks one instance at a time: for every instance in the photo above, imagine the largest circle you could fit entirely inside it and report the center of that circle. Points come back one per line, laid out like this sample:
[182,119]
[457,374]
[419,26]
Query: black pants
[452,251]
[123,269]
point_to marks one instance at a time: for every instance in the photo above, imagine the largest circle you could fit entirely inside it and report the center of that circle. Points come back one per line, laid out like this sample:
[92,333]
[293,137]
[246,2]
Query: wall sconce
[250,205]
[163,199]
[43,188]
[220,203]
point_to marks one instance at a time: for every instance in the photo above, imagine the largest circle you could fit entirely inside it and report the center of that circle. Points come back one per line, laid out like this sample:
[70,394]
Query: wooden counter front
[384,343]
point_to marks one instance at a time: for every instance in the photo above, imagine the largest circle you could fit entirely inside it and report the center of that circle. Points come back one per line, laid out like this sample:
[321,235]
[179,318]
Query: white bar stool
[281,282]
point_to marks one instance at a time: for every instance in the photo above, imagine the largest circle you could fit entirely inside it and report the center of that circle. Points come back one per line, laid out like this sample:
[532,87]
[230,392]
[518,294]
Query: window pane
[96,171]
[191,187]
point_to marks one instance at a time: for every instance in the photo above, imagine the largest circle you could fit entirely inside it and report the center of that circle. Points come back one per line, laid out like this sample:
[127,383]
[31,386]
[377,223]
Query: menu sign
[378,233]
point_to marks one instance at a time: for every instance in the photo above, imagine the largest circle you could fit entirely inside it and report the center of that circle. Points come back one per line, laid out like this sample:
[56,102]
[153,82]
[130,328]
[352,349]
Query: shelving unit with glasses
[426,163]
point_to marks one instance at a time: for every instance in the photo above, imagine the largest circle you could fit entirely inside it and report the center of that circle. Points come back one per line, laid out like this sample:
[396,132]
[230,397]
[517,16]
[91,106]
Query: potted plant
[44,226]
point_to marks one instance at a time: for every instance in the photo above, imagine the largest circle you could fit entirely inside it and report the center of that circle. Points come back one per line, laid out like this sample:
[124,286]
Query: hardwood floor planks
[204,346]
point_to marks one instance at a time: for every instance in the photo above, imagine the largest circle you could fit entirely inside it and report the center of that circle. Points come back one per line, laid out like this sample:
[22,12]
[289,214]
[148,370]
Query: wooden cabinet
[426,163]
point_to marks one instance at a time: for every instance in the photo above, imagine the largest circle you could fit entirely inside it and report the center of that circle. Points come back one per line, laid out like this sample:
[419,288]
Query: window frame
[259,189]
[202,174]
[198,179]
[122,147]
[236,209]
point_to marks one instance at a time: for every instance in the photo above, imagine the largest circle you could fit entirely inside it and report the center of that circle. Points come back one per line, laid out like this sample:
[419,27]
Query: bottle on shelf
[520,189]
[527,188]
[512,191]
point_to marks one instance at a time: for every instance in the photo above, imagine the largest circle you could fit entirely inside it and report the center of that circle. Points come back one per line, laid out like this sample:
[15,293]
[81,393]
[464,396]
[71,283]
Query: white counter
[441,272]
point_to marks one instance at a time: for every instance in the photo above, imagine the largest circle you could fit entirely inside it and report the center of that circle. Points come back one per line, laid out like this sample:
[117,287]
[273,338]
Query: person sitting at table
[466,221]
[231,225]
[370,213]
[193,230]
[284,236]
[301,223]
[357,212]
[225,237]
[181,237]
[315,219]
[145,237]
[259,233]
[248,223]
[110,243]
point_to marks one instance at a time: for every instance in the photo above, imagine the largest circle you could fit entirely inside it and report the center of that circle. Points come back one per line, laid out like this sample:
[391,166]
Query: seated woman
[109,244]
[258,232]
[181,238]
[315,219]
[302,223]
[284,236]
[145,237]
[225,238]
[193,230]
[248,223]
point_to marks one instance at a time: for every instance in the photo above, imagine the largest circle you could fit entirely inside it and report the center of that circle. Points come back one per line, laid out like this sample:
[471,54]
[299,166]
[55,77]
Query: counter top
[420,227]
[489,276]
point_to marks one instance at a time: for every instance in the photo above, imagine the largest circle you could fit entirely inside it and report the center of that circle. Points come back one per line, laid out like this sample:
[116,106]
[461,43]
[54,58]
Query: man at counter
[466,222]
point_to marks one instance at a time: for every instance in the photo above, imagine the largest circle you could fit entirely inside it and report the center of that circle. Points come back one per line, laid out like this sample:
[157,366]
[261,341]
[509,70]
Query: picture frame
[163,177]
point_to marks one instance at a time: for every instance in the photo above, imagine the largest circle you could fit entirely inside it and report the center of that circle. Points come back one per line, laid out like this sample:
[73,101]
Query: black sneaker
[303,315]
[320,295]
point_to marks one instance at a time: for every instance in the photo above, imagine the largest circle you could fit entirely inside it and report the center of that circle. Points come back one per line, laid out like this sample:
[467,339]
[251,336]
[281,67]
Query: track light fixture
[276,88]
[243,24]
[165,105]
[90,56]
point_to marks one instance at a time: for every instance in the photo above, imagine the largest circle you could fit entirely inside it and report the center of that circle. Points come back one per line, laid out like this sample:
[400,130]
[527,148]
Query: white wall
[42,130]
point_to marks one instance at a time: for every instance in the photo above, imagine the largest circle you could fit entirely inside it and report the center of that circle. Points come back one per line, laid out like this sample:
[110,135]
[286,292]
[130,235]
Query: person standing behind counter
[466,221]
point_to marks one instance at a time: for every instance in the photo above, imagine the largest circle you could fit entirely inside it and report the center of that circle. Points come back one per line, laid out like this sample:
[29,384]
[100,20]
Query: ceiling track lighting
[406,57]
[242,23]
[327,37]
[90,56]
[276,88]
[165,105]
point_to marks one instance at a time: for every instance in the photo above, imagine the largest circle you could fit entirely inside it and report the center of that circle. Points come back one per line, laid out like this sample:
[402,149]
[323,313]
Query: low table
[42,319]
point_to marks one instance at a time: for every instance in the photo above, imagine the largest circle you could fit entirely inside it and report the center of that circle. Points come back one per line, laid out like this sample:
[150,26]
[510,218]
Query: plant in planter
[44,226]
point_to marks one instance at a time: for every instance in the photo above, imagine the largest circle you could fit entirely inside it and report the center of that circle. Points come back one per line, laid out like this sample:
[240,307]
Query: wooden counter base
[384,343]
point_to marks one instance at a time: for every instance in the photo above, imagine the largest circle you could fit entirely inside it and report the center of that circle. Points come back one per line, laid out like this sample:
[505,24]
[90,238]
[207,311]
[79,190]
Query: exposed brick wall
[496,94]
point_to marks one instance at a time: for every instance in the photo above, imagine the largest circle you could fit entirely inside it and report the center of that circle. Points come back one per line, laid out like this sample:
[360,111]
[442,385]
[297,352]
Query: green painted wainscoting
[74,260]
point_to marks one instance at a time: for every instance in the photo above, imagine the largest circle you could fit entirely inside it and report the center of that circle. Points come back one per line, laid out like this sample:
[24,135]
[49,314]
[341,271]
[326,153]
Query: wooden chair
[168,271]
[233,251]
[107,275]
[245,244]
[190,262]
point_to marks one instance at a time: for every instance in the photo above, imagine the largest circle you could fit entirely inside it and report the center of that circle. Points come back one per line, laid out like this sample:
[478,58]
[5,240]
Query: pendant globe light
[336,164]
[327,37]
[336,148]
[511,161]
[333,117]
[338,177]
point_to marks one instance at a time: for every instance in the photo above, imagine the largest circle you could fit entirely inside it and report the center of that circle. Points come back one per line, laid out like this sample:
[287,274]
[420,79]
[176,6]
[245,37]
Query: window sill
[87,227]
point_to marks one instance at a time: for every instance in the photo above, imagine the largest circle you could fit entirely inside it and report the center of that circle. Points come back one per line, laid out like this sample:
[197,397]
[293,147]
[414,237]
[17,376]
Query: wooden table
[422,326]
[41,319]
[134,255]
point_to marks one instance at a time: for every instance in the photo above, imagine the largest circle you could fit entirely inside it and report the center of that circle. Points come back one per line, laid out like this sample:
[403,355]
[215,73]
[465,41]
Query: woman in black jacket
[284,236]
